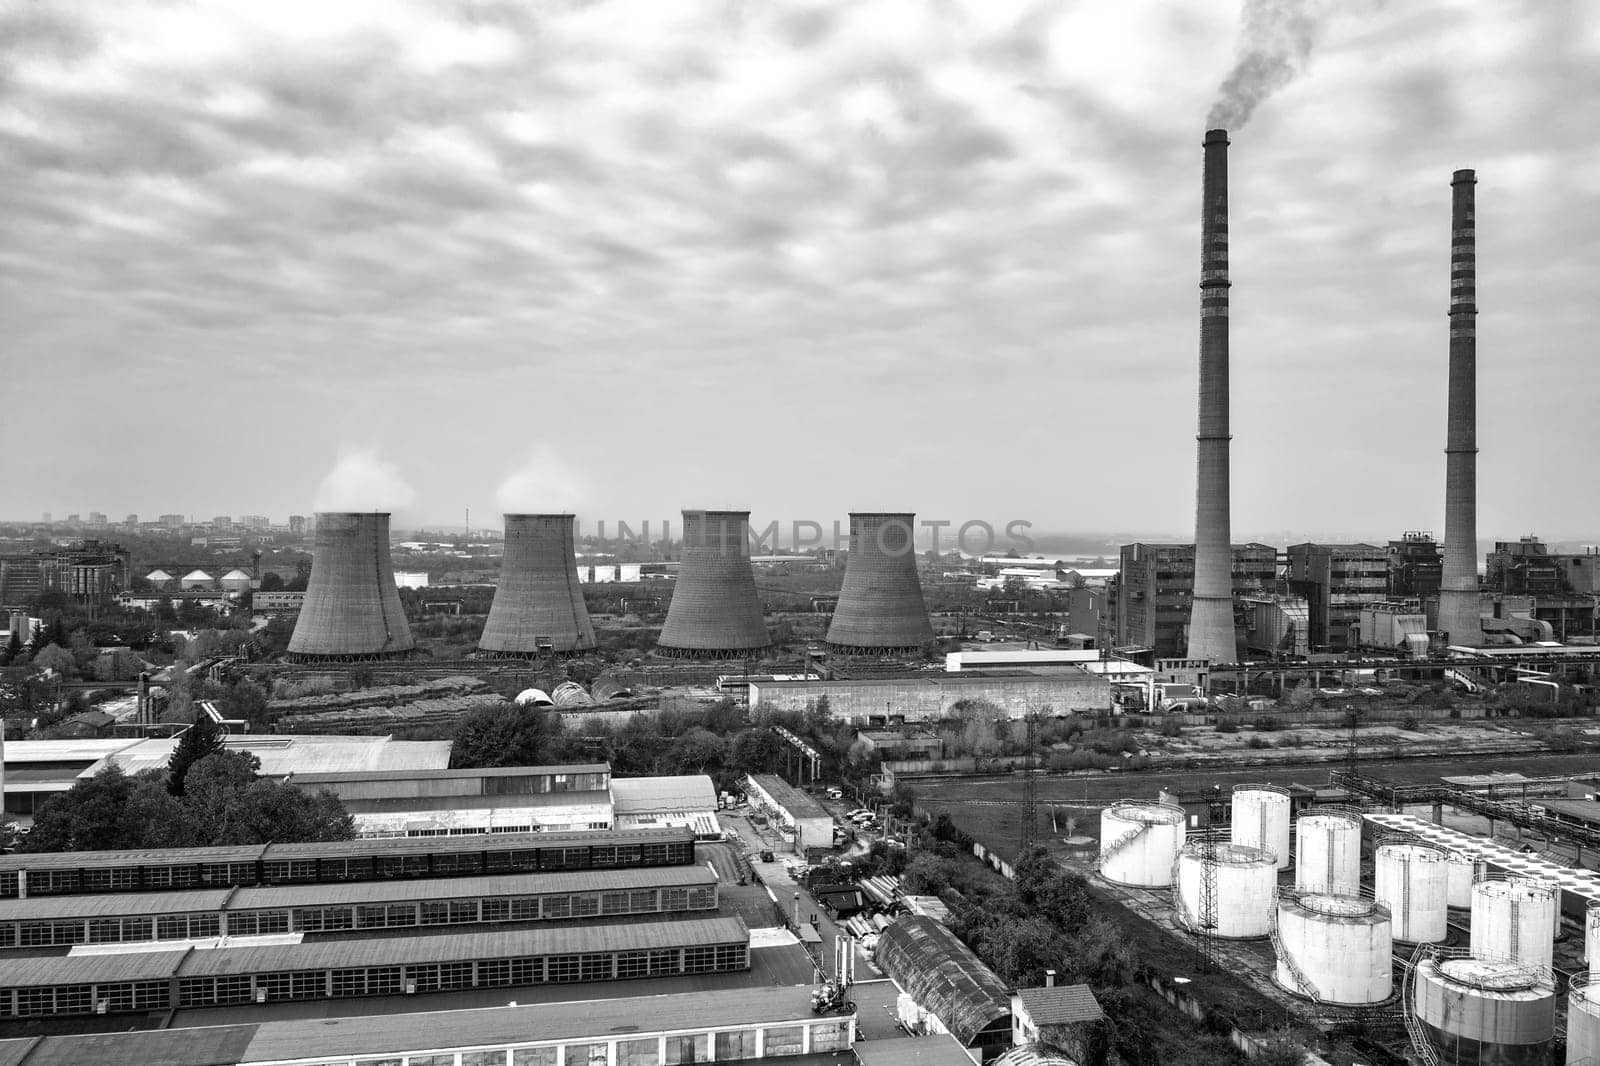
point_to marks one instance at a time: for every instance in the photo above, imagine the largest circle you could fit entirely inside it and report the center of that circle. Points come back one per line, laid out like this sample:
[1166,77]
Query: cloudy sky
[795,257]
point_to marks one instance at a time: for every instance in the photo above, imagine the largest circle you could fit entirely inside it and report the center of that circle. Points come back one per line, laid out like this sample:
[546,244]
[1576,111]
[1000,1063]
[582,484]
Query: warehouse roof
[790,798]
[647,795]
[942,974]
[433,774]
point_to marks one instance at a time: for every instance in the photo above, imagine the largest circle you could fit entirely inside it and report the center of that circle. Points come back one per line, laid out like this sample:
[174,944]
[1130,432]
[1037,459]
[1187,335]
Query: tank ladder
[1204,924]
[1287,959]
[1408,1008]
[1121,842]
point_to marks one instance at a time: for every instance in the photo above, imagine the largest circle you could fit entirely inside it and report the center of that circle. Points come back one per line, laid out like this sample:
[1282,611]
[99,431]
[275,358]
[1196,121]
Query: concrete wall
[934,697]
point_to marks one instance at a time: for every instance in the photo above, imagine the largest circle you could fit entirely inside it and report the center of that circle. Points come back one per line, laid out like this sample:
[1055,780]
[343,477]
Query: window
[526,910]
[588,1055]
[687,1049]
[739,1044]
[535,1056]
[457,863]
[703,899]
[528,971]
[556,906]
[784,1040]
[663,961]
[484,1058]
[35,1001]
[830,1036]
[73,999]
[496,910]
[596,968]
[494,972]
[699,959]
[639,1052]
[563,968]
[614,903]
[732,957]
[633,964]
[584,906]
[322,919]
[642,901]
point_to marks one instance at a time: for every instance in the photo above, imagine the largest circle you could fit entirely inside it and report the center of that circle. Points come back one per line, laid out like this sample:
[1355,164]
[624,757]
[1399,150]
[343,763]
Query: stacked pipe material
[1458,591]
[539,600]
[715,613]
[1211,632]
[880,608]
[352,608]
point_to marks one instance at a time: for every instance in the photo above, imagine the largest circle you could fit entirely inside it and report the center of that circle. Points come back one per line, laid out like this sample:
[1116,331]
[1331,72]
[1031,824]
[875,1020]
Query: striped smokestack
[1211,633]
[715,613]
[352,609]
[1458,591]
[538,599]
[880,609]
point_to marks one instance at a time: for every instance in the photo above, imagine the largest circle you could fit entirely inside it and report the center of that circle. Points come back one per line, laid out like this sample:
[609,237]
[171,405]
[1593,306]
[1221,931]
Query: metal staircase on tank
[1121,842]
[1408,1007]
[1283,955]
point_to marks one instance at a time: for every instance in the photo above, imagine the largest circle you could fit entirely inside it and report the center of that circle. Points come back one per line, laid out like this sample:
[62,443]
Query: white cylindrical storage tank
[1591,937]
[1139,841]
[1412,880]
[1476,1011]
[1511,921]
[1261,820]
[1466,867]
[1327,851]
[1583,1019]
[1338,946]
[1241,899]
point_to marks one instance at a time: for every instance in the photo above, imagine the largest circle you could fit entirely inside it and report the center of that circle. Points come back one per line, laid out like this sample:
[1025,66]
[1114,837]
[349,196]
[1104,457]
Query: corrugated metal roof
[645,795]
[943,975]
[792,799]
[41,908]
[91,968]
[222,1045]
[1061,1005]
[525,884]
[433,775]
[73,860]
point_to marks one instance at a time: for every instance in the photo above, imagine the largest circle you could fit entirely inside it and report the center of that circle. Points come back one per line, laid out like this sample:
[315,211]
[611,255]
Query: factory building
[1561,590]
[805,822]
[933,697]
[1154,592]
[90,572]
[1414,567]
[1335,580]
[352,610]
[947,987]
[1277,626]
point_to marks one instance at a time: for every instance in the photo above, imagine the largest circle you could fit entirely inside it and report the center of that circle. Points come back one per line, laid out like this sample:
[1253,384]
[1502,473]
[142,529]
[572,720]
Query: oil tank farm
[1412,880]
[1333,949]
[881,610]
[1477,1011]
[539,602]
[1513,920]
[1328,851]
[715,613]
[1140,841]
[1260,819]
[1225,890]
[1583,1018]
[351,611]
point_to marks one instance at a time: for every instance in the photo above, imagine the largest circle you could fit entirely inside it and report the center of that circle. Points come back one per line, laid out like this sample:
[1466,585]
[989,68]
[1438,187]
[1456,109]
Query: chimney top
[1218,136]
[1049,978]
[1464,177]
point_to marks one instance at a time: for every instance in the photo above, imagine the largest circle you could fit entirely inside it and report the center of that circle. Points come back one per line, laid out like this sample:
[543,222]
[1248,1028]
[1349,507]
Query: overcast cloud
[795,257]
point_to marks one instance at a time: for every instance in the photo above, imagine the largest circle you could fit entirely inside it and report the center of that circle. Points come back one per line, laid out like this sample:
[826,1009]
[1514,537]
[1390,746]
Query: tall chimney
[1211,633]
[539,598]
[1458,589]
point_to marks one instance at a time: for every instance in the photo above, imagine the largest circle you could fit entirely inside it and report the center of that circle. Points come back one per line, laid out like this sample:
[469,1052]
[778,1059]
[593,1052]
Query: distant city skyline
[797,258]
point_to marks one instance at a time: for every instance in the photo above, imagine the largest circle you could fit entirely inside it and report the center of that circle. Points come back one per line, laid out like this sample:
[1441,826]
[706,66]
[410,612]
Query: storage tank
[1511,920]
[1413,881]
[1261,820]
[1481,1012]
[1139,841]
[1327,851]
[1334,949]
[1241,891]
[1583,1019]
[1465,867]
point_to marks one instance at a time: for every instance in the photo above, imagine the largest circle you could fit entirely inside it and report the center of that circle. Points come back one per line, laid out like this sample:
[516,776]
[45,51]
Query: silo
[1261,820]
[1333,949]
[539,600]
[1477,1012]
[1327,851]
[1583,1019]
[1465,868]
[1237,903]
[715,613]
[880,608]
[1139,841]
[1412,880]
[1511,920]
[351,611]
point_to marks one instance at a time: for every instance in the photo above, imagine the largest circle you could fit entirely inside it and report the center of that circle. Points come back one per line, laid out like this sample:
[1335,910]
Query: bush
[1227,725]
[1258,742]
[1265,724]
[1408,723]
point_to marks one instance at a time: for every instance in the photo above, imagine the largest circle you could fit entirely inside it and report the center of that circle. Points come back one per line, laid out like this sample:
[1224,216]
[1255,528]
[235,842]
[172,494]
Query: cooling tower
[1211,634]
[539,599]
[1458,590]
[880,603]
[352,609]
[715,613]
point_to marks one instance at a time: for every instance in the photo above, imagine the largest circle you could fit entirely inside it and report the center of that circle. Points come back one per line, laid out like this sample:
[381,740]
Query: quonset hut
[944,978]
[539,599]
[881,609]
[715,613]
[351,611]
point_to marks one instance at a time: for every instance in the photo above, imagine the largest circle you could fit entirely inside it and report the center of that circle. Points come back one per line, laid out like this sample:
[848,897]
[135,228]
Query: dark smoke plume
[1275,39]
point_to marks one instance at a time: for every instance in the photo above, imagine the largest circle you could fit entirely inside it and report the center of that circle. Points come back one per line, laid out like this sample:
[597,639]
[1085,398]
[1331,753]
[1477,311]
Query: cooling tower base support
[308,659]
[723,654]
[531,656]
[874,653]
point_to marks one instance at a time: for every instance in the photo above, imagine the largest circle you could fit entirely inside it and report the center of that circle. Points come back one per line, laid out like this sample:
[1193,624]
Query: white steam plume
[544,484]
[1275,39]
[361,481]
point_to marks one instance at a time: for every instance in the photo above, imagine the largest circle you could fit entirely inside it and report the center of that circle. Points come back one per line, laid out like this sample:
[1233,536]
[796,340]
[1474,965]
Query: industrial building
[1415,567]
[805,821]
[538,604]
[933,697]
[352,610]
[1155,588]
[947,987]
[880,610]
[1559,590]
[1335,580]
[715,613]
[89,572]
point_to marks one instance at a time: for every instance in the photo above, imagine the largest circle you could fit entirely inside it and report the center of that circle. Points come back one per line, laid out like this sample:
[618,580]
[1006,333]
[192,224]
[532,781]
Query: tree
[55,657]
[698,751]
[246,700]
[198,741]
[107,812]
[504,735]
[14,648]
[271,581]
[756,751]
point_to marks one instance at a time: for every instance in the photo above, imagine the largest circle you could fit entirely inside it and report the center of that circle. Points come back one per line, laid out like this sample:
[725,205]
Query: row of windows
[372,980]
[200,925]
[55,882]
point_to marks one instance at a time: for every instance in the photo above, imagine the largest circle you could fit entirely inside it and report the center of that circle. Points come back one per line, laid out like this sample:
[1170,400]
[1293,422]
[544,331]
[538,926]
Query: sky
[623,258]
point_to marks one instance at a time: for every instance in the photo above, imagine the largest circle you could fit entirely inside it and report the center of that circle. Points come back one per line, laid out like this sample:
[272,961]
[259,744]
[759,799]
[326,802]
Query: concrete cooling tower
[880,609]
[715,613]
[539,599]
[352,609]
